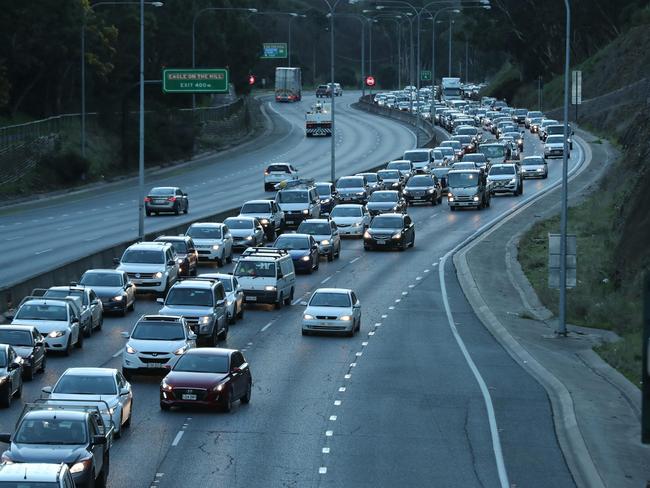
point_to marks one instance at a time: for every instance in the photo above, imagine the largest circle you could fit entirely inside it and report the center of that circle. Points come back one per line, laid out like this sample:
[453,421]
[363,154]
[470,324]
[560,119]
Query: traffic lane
[532,455]
[120,211]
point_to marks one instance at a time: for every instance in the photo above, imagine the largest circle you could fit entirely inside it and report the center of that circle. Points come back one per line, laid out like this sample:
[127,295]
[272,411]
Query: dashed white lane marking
[434,264]
[42,252]
[322,470]
[364,344]
[326,280]
[359,354]
[371,333]
[326,450]
[329,433]
[411,286]
[404,293]
[355,260]
[391,308]
[427,270]
[13,238]
[249,344]
[266,326]
[178,437]
[296,301]
[337,403]
[353,365]
[398,300]
[418,278]
[377,324]
[383,317]
[332,418]
[348,376]
[342,389]
[118,353]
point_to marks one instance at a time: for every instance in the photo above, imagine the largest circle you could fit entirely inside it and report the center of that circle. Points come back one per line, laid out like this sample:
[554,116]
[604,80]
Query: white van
[266,275]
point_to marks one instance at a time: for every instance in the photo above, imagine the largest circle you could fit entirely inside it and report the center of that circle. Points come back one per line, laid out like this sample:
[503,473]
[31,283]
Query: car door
[237,374]
[220,305]
[96,308]
[126,400]
[129,288]
[336,238]
[39,349]
[356,307]
[227,241]
[410,229]
[14,373]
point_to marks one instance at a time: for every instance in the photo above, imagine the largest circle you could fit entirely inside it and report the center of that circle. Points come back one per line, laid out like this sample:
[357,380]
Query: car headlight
[81,466]
[361,193]
[305,212]
[397,235]
[158,275]
[219,386]
[305,258]
[326,201]
[325,242]
[406,191]
[107,411]
[3,379]
[130,350]
[249,238]
[366,235]
[205,320]
[450,197]
[264,221]
[513,181]
[216,247]
[6,459]
[181,350]
[269,288]
[345,318]
[165,386]
[118,298]
[308,317]
[476,198]
[56,333]
[431,190]
[356,224]
[396,184]
[180,260]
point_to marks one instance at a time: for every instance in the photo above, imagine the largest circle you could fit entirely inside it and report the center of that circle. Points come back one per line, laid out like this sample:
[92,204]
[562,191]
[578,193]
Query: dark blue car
[303,250]
[327,195]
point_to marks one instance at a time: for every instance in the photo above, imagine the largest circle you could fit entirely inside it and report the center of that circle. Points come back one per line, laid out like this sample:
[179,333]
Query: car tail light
[171,199]
[147,199]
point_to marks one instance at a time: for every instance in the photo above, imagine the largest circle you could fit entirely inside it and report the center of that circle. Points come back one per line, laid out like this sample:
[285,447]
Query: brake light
[147,199]
[171,199]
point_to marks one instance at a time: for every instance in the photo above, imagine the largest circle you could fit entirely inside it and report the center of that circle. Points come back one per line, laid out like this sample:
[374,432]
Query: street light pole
[141,139]
[450,25]
[332,7]
[562,330]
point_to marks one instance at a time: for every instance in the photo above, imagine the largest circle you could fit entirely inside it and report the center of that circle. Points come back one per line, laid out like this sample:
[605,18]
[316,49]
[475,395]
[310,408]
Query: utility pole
[449,69]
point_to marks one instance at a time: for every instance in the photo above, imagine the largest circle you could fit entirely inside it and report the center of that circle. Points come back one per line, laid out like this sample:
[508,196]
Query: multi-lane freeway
[397,405]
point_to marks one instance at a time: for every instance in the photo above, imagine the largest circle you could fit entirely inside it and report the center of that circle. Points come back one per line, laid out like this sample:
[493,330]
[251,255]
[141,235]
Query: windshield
[255,269]
[388,175]
[380,196]
[200,232]
[386,223]
[497,151]
[158,331]
[420,181]
[438,155]
[291,242]
[350,183]
[101,279]
[162,191]
[452,144]
[555,139]
[202,363]
[255,208]
[475,158]
[399,166]
[462,180]
[16,337]
[313,228]
[3,359]
[346,212]
[293,196]
[447,151]
[415,156]
[179,246]
[557,129]
[235,223]
[466,131]
[323,190]
[42,312]
[189,297]
[325,299]
[534,161]
[70,384]
[143,256]
[502,170]
[51,431]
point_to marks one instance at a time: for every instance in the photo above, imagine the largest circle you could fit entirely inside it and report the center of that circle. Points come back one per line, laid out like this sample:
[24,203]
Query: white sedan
[106,387]
[332,310]
[350,219]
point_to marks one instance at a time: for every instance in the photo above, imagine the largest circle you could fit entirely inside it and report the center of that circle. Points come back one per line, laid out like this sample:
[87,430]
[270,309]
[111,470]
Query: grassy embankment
[612,225]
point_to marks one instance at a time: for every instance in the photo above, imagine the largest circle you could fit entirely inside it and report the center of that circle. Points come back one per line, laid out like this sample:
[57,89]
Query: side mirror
[280,275]
[192,336]
[221,303]
[235,370]
[116,261]
[10,314]
[171,262]
[128,285]
[124,391]
[99,440]
[6,438]
[75,320]
[160,300]
[47,390]
[13,366]
[125,334]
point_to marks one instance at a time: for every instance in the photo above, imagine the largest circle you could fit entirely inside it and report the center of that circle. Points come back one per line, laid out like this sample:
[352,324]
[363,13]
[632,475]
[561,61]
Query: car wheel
[338,251]
[43,364]
[177,209]
[122,312]
[214,338]
[132,307]
[88,330]
[187,208]
[246,399]
[305,332]
[232,319]
[227,407]
[366,248]
[219,262]
[453,209]
[100,322]
[330,256]
[224,332]
[80,341]
[148,212]
[412,244]
[317,263]
[19,391]
[68,347]
[280,302]
[439,199]
[289,299]
[164,407]
[240,315]
[28,373]
[127,424]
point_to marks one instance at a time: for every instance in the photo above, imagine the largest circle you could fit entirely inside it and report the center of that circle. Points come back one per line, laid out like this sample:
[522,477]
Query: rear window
[416,156]
[235,223]
[278,168]
[162,191]
[255,208]
[350,183]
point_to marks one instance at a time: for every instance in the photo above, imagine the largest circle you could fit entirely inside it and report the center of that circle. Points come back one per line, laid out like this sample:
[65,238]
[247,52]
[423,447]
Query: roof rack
[264,251]
[71,299]
[81,405]
[297,183]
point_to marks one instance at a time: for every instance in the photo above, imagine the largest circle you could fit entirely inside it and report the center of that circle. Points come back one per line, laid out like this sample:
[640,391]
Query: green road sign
[274,50]
[425,75]
[195,80]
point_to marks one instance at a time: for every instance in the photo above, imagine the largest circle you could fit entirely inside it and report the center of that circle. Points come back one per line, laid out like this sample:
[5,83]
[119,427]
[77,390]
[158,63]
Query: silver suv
[202,302]
[151,266]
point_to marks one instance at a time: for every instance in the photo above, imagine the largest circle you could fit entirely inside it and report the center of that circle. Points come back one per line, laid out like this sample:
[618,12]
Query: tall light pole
[562,330]
[331,5]
[396,19]
[360,18]
[92,6]
[196,16]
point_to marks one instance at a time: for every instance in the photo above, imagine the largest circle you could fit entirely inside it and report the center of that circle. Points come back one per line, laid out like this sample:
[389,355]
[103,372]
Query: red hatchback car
[207,377]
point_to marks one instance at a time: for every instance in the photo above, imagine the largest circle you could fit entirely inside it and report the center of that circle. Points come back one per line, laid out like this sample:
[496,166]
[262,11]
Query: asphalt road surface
[37,238]
[397,405]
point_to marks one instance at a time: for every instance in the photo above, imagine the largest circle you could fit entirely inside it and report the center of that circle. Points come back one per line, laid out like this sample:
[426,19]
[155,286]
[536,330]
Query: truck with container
[318,121]
[451,89]
[288,84]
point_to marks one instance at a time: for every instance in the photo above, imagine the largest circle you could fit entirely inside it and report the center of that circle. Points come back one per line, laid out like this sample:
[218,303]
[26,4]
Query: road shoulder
[596,410]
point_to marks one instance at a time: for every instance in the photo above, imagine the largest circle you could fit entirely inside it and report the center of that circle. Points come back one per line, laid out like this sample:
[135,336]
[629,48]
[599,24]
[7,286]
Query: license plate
[187,396]
[158,200]
[251,299]
[381,242]
[154,365]
[291,222]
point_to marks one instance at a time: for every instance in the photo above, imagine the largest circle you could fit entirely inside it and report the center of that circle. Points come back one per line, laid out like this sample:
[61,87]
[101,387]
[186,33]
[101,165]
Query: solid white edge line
[178,437]
[494,432]
[266,326]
